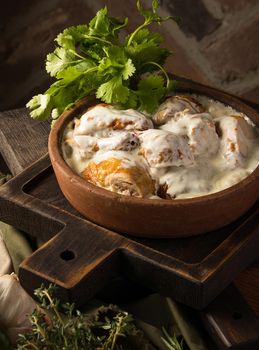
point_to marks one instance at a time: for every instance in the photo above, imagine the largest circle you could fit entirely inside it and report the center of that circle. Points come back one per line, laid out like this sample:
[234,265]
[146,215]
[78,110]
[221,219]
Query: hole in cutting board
[67,255]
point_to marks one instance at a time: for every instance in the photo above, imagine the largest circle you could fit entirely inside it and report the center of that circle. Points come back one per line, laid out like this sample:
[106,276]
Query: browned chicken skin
[112,174]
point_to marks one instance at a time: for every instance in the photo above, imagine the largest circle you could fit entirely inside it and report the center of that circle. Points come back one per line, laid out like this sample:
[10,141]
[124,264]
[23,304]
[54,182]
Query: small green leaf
[172,85]
[144,36]
[132,101]
[93,49]
[113,91]
[151,16]
[72,72]
[116,63]
[150,91]
[40,106]
[104,26]
[71,36]
[59,60]
[128,69]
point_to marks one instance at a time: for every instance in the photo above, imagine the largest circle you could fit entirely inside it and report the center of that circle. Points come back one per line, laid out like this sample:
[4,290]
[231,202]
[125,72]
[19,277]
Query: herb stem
[91,70]
[71,62]
[33,346]
[145,24]
[40,329]
[97,38]
[114,340]
[77,54]
[162,69]
[53,307]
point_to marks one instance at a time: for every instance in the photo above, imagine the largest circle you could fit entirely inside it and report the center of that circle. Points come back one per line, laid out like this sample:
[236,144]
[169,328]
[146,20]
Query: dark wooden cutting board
[82,257]
[192,270]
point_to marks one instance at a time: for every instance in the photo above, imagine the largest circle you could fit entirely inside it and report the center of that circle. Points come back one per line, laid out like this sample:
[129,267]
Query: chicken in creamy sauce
[192,146]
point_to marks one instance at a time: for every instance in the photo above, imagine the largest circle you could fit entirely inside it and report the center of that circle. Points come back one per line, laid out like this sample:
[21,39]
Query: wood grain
[22,139]
[83,265]
[248,281]
[199,275]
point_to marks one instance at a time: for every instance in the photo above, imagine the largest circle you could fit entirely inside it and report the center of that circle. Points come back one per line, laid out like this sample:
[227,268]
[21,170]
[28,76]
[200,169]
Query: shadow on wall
[216,44]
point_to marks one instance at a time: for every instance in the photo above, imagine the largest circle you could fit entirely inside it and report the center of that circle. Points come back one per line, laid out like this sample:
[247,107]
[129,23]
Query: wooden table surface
[23,141]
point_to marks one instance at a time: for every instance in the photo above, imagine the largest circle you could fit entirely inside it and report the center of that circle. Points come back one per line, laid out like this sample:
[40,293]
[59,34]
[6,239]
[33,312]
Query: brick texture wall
[217,42]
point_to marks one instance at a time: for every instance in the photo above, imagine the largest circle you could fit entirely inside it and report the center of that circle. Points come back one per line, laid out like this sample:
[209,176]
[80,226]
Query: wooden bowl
[153,217]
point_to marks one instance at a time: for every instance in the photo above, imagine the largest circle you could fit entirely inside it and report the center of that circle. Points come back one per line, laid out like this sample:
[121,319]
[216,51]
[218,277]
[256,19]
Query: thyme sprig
[64,327]
[56,326]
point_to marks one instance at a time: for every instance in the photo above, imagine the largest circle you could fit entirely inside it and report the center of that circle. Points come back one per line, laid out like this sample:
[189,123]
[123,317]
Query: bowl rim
[55,152]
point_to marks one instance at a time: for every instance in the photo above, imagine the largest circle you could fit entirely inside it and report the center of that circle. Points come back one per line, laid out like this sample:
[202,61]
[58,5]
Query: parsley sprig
[93,59]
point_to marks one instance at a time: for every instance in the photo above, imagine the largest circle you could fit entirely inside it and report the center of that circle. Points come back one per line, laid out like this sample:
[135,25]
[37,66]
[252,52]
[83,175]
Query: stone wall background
[217,43]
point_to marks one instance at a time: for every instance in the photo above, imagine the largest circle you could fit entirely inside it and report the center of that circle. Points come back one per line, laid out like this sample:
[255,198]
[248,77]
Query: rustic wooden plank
[29,208]
[22,139]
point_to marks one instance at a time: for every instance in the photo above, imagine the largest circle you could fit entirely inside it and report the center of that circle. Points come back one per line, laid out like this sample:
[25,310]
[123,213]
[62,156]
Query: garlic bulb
[15,306]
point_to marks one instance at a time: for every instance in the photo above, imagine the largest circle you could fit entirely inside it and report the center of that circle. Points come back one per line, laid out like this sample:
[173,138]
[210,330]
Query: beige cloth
[16,245]
[6,265]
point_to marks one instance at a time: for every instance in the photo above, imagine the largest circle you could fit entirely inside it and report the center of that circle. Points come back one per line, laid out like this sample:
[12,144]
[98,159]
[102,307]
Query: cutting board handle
[230,321]
[83,259]
[79,260]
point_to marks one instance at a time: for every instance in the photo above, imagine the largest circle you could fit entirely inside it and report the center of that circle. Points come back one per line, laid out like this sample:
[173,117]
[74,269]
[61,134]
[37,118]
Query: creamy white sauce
[162,149]
[192,154]
[100,120]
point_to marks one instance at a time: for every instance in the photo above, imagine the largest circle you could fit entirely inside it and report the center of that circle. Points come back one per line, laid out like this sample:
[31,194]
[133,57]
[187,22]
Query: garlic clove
[15,306]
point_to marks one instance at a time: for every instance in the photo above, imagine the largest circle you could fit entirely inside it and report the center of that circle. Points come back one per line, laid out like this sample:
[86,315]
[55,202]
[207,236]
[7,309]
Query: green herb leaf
[145,47]
[152,16]
[71,36]
[113,91]
[93,58]
[59,60]
[104,26]
[116,63]
[150,91]
[72,72]
[40,106]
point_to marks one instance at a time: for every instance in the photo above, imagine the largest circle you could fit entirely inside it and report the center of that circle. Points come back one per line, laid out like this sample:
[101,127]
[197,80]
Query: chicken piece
[120,172]
[236,139]
[121,141]
[163,148]
[175,104]
[100,120]
[199,128]
[86,145]
[181,181]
